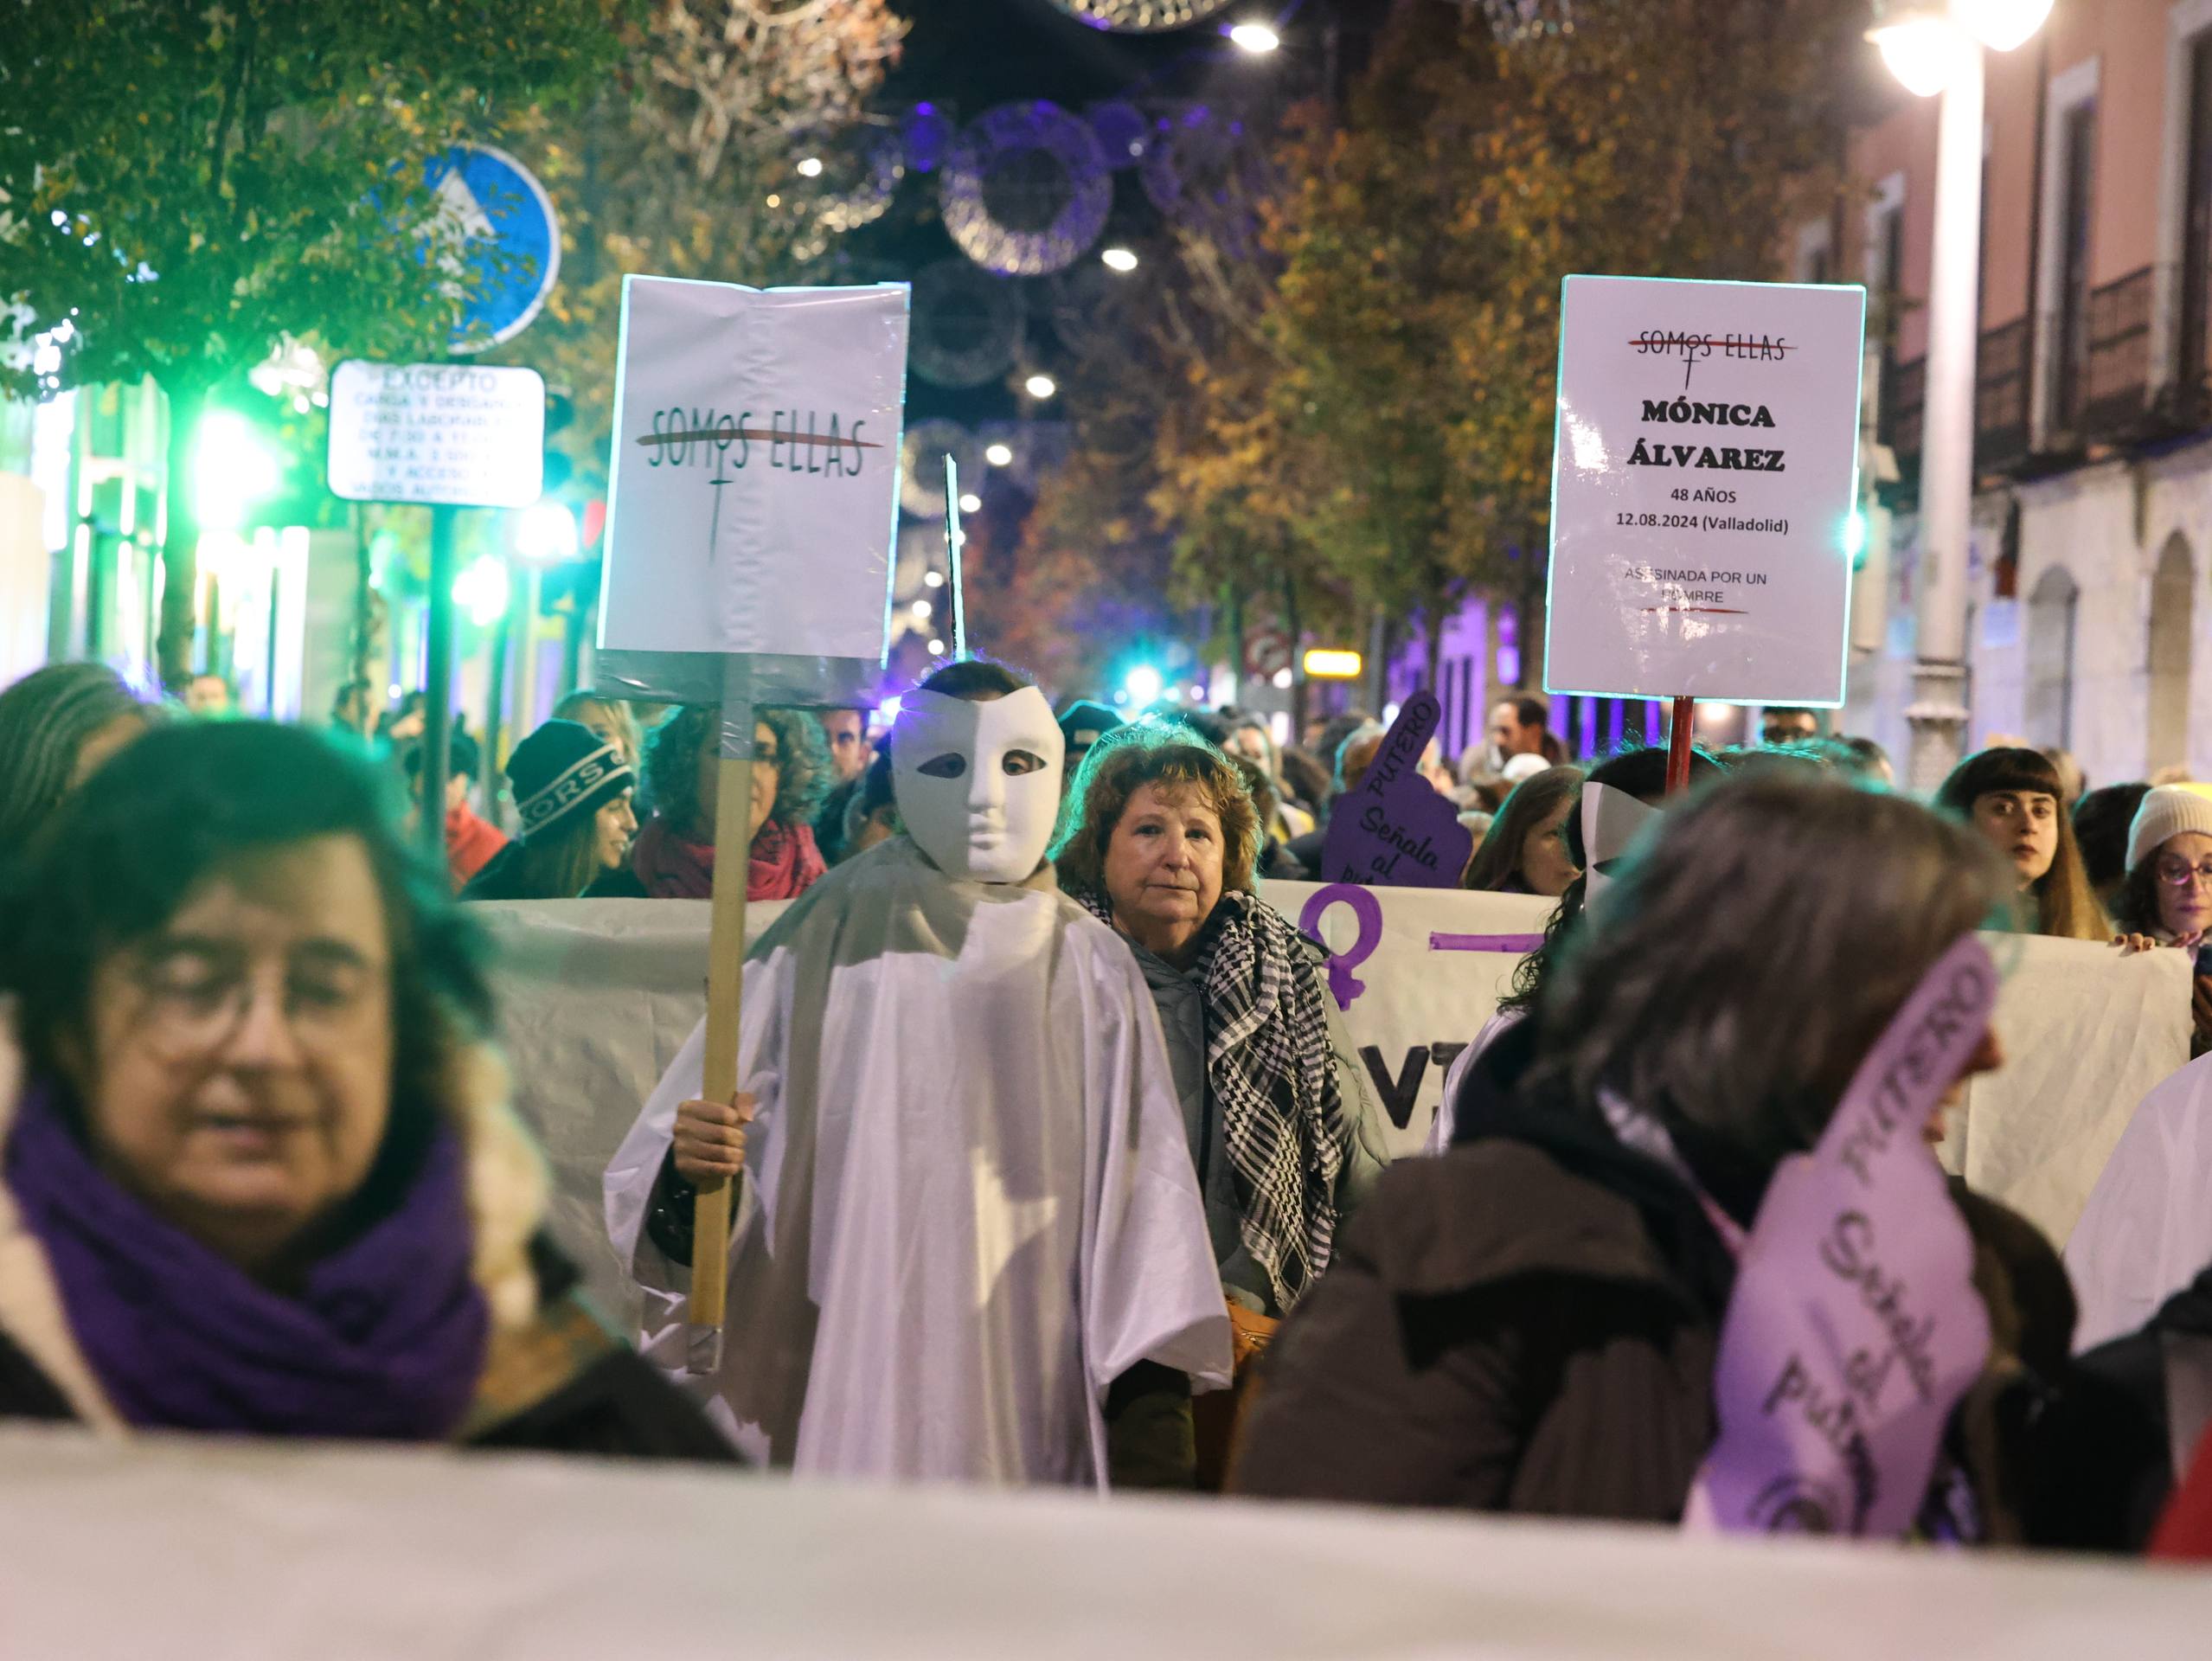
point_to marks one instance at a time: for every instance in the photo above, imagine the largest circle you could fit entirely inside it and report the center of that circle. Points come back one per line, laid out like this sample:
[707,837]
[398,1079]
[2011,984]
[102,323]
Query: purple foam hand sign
[1397,830]
[1855,1328]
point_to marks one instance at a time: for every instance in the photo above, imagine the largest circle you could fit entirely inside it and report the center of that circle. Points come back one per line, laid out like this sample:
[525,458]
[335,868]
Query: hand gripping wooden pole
[725,998]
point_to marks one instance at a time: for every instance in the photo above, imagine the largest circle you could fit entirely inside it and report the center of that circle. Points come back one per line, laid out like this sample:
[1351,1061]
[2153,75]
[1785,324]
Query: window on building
[2051,610]
[2173,621]
[1889,283]
[2192,343]
[2070,327]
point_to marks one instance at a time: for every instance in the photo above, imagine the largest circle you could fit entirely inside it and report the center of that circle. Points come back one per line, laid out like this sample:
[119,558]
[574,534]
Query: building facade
[2088,626]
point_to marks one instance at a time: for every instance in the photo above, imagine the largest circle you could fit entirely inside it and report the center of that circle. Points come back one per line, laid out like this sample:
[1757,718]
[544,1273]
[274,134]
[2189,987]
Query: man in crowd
[1522,727]
[1780,724]
[471,842]
[209,696]
[1083,724]
[846,730]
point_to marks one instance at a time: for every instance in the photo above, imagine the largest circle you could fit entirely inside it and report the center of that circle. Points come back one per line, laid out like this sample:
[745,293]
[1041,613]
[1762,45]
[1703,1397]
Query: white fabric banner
[212,1551]
[597,996]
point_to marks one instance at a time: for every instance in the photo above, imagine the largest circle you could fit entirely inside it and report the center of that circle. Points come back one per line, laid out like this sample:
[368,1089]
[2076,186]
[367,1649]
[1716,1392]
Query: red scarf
[785,863]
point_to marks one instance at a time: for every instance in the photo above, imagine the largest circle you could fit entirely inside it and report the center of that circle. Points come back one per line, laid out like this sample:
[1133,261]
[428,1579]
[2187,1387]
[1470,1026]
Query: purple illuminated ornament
[1026,189]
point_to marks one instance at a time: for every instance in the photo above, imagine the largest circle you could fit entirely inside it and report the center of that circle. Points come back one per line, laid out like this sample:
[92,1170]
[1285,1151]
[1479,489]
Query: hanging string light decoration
[921,464]
[876,168]
[1141,16]
[1092,308]
[1203,169]
[1517,21]
[964,325]
[1122,131]
[1025,189]
[926,134]
[1039,449]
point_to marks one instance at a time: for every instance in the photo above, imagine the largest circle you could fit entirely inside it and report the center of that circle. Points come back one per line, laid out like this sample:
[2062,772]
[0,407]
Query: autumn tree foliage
[182,187]
[1372,410]
[687,164]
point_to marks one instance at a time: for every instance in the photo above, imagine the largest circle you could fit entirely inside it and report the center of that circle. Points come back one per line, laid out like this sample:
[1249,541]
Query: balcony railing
[2001,384]
[2106,396]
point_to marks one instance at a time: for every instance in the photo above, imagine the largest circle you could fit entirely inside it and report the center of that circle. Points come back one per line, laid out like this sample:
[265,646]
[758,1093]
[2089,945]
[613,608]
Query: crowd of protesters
[259,1174]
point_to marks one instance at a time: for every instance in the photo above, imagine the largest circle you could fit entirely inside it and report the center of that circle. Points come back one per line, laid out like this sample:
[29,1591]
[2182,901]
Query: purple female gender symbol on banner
[1343,983]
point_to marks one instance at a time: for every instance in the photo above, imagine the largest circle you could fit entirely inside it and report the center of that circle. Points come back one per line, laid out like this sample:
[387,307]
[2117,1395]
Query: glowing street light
[1142,685]
[1254,38]
[1326,663]
[1041,385]
[546,532]
[999,455]
[933,579]
[483,591]
[1937,48]
[811,168]
[1119,259]
[921,609]
[232,470]
[936,648]
[971,502]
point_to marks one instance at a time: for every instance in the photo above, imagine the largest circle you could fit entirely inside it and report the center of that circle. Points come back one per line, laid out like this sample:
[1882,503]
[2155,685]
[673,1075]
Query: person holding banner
[2015,799]
[260,1174]
[1531,1323]
[1286,1137]
[969,1245]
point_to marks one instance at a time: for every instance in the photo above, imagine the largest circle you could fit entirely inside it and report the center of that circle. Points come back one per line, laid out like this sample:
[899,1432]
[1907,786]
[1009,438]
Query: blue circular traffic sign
[511,240]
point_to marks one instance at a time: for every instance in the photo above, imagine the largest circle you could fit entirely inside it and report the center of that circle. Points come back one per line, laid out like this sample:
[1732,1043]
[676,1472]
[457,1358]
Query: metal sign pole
[953,538]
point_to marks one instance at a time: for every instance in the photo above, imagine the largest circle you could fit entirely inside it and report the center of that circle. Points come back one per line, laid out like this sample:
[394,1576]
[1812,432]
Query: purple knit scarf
[385,1340]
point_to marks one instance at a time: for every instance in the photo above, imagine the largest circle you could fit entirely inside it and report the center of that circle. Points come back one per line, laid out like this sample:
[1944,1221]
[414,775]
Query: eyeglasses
[195,1000]
[2178,872]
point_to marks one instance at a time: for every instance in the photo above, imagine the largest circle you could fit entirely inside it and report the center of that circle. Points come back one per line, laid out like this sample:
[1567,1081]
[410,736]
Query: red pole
[1680,731]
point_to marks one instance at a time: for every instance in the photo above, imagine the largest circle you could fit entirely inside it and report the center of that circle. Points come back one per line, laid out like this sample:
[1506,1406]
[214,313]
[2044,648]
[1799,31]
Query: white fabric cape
[968,1206]
[2146,1231]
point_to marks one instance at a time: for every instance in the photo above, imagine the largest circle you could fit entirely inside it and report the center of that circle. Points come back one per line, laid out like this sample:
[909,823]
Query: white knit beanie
[2167,811]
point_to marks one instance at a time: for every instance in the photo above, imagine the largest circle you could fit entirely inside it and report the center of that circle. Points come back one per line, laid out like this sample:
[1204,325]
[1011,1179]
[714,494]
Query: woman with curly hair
[673,858]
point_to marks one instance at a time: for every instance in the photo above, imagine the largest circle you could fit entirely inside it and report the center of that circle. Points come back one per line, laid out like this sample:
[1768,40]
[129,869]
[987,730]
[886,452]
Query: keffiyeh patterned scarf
[1274,1075]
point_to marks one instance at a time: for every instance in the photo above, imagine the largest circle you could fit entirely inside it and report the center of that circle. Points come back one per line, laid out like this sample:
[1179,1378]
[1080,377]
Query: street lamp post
[1936,49]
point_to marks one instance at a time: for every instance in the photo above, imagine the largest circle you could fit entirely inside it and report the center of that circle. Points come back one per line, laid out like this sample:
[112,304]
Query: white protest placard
[754,487]
[458,435]
[1703,476]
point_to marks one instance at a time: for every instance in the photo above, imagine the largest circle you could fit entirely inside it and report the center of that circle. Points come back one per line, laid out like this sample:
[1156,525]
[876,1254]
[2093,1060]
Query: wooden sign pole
[725,998]
[1680,734]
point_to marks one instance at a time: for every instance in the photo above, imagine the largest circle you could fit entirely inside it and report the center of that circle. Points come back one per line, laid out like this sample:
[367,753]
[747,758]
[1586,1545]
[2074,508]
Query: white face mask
[969,783]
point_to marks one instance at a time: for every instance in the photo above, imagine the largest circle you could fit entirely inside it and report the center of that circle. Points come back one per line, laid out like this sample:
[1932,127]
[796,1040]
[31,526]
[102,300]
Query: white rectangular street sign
[753,492]
[461,435]
[1704,475]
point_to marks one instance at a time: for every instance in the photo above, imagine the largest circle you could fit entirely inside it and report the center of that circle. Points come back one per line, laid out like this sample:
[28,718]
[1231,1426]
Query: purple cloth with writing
[384,1339]
[1397,830]
[1854,1327]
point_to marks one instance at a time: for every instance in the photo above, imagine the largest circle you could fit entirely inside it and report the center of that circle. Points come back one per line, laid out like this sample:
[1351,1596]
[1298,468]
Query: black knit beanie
[563,769]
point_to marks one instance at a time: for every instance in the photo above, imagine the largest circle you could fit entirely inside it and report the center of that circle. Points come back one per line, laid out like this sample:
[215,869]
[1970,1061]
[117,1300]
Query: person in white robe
[965,1209]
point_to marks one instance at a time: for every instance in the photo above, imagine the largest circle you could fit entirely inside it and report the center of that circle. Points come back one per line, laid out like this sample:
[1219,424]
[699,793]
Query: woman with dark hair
[1525,849]
[1529,1323]
[1157,839]
[57,724]
[2015,799]
[792,775]
[571,790]
[259,1173]
[2101,822]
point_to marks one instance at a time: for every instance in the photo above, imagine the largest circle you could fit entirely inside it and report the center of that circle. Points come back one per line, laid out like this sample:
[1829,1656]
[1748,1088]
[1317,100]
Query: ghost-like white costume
[967,1206]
